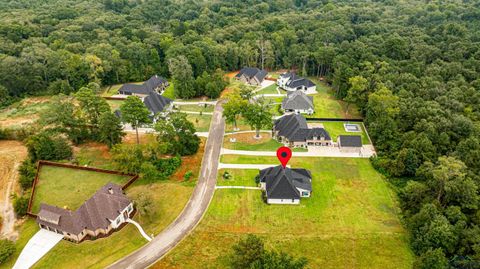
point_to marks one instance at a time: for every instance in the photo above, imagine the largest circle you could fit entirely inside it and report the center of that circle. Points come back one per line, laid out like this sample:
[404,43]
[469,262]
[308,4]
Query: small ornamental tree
[135,113]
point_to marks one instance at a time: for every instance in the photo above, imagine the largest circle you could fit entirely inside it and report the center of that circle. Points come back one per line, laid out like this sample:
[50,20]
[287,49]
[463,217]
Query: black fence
[333,119]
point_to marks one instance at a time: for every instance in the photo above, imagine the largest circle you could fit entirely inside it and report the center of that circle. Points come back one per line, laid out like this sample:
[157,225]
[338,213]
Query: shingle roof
[147,87]
[294,128]
[297,100]
[105,205]
[350,141]
[282,183]
[287,75]
[289,124]
[156,102]
[298,81]
[251,72]
[133,88]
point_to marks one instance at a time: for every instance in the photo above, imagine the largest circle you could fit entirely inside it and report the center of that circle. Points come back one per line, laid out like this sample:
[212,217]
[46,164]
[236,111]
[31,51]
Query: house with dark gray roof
[292,130]
[350,143]
[285,185]
[157,103]
[298,102]
[99,216]
[251,75]
[154,84]
[291,82]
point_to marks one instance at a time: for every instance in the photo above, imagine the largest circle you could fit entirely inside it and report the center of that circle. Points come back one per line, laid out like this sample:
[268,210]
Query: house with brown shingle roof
[99,216]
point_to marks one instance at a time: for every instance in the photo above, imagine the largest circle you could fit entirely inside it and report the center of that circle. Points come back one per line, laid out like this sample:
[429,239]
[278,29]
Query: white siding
[283,201]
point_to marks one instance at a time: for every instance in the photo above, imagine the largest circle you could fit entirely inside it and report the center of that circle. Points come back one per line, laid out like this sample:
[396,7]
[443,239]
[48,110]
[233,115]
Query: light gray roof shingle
[298,100]
[251,72]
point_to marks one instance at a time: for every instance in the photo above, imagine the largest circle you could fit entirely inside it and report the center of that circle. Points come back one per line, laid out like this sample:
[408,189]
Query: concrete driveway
[195,208]
[41,243]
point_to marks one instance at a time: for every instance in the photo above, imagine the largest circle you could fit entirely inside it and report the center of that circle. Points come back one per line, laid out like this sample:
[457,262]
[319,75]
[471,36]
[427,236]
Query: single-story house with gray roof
[285,185]
[100,215]
[291,82]
[298,102]
[292,130]
[251,75]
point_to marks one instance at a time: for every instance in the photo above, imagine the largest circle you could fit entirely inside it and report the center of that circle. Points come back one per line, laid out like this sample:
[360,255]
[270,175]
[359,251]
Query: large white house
[285,185]
[99,216]
[291,82]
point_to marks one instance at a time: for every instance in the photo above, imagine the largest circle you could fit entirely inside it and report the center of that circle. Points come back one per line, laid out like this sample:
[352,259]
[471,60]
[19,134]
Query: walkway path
[193,211]
[245,166]
[140,229]
[238,187]
[39,245]
[367,152]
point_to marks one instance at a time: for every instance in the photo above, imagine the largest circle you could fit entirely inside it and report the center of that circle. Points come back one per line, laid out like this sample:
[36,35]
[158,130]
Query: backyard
[272,89]
[336,128]
[68,187]
[350,221]
[246,141]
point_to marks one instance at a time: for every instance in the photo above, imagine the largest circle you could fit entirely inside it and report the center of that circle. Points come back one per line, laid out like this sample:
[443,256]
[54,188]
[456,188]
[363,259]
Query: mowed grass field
[272,89]
[201,122]
[68,187]
[350,221]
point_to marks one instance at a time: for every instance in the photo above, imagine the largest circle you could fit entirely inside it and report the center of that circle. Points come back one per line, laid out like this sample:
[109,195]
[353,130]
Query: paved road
[195,208]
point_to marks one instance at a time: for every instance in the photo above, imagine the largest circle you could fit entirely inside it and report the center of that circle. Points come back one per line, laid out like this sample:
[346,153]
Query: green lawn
[272,89]
[241,125]
[245,141]
[115,104]
[350,221]
[201,122]
[239,177]
[336,128]
[69,187]
[169,91]
[195,108]
[113,89]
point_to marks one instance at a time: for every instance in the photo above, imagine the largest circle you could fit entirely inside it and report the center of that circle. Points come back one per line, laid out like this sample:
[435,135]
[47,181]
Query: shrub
[168,166]
[20,205]
[7,248]
[45,147]
[226,175]
[188,175]
[27,172]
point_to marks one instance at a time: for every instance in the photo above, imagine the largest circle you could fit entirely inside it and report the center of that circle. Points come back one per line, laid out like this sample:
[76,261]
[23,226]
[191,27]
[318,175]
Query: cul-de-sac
[277,134]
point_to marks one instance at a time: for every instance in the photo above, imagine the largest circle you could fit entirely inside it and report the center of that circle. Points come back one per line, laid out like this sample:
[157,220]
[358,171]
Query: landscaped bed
[350,221]
[69,187]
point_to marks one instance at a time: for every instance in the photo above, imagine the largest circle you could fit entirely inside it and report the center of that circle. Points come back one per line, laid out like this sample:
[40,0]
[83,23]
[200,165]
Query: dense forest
[412,67]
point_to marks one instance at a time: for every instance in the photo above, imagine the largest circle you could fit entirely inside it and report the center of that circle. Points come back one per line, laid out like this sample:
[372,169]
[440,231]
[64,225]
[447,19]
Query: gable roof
[95,213]
[156,102]
[297,100]
[288,125]
[296,82]
[350,141]
[294,127]
[147,87]
[283,183]
[133,88]
[251,72]
[287,75]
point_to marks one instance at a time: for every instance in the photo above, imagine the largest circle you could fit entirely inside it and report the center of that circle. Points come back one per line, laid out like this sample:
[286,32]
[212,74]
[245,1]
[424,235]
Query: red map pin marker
[284,154]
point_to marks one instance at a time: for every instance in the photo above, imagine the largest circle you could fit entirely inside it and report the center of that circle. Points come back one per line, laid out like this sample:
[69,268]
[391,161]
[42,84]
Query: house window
[304,193]
[118,221]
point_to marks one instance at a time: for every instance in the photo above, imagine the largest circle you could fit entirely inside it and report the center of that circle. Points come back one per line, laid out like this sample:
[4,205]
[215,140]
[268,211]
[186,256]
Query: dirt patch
[190,163]
[97,147]
[249,138]
[131,138]
[12,153]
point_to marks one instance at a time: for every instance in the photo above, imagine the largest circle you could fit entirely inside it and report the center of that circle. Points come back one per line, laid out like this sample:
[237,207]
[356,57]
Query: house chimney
[110,190]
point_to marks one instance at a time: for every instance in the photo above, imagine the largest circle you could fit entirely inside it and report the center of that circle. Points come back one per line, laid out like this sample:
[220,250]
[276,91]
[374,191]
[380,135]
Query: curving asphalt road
[195,208]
